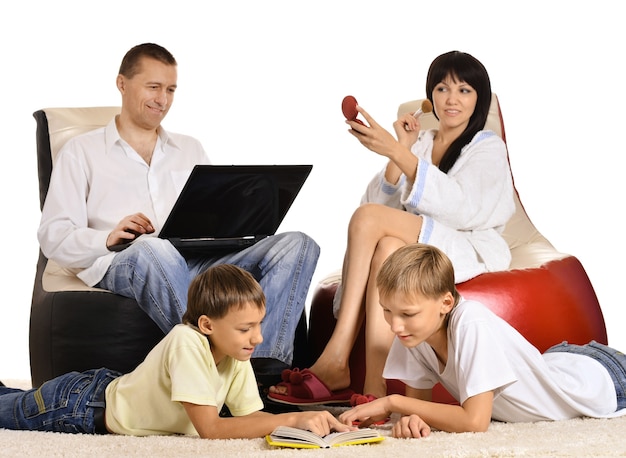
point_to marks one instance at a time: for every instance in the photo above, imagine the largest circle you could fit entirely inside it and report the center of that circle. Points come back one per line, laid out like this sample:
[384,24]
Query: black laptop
[231,207]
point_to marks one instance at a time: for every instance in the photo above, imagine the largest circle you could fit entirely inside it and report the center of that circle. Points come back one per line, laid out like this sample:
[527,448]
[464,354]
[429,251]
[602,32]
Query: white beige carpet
[577,438]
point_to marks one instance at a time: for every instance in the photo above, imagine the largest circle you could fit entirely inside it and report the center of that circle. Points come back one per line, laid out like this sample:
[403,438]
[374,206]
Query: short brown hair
[417,269]
[132,59]
[220,289]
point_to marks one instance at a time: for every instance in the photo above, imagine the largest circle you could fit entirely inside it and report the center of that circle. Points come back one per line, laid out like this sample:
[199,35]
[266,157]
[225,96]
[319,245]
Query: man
[118,183]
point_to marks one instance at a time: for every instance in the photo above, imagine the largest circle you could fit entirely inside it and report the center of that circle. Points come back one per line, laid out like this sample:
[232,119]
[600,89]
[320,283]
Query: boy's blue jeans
[157,276]
[66,404]
[613,360]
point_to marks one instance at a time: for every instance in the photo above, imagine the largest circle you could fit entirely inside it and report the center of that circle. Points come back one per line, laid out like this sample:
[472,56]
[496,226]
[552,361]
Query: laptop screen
[229,201]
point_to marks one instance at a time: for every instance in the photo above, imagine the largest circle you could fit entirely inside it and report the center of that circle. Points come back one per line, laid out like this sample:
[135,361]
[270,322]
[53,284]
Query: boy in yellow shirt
[181,386]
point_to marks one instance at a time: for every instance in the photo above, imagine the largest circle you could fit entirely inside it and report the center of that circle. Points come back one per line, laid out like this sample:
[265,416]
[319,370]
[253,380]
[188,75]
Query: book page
[285,436]
[349,436]
[296,435]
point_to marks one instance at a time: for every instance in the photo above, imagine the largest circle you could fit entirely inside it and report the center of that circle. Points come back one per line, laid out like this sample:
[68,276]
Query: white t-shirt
[485,353]
[97,180]
[180,368]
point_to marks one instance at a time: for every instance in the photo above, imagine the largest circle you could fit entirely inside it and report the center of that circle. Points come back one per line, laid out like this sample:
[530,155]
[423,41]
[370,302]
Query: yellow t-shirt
[181,367]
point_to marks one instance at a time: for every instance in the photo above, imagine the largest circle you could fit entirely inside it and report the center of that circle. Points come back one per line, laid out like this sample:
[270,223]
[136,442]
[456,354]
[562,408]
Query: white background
[262,82]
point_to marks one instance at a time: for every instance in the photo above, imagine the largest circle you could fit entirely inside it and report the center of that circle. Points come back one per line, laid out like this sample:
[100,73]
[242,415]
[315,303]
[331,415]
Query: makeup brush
[426,107]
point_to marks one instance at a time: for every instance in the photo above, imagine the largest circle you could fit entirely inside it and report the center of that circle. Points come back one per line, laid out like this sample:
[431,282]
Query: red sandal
[304,388]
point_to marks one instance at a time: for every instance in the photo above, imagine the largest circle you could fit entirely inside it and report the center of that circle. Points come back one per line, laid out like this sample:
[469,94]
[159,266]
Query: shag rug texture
[583,437]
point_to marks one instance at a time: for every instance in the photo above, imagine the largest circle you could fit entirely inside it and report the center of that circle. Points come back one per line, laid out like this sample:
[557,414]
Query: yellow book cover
[286,436]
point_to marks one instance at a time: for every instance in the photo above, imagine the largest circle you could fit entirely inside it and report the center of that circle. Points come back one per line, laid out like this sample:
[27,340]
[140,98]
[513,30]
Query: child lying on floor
[483,362]
[182,384]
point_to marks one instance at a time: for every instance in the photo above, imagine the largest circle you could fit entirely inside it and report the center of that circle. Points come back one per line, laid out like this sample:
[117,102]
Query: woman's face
[454,103]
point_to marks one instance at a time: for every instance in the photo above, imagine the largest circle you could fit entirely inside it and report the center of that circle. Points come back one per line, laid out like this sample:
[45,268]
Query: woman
[449,187]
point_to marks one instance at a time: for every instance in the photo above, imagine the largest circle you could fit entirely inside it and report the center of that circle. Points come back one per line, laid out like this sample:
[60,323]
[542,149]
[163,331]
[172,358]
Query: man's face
[148,96]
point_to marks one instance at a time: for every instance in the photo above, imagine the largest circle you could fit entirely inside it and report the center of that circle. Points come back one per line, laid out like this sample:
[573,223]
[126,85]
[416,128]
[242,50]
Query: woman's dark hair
[132,59]
[461,66]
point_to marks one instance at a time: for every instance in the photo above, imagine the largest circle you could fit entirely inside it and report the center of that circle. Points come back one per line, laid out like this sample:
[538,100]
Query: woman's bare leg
[369,224]
[378,335]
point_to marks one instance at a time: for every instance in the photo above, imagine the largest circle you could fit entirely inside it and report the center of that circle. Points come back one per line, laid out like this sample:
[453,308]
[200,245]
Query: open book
[286,436]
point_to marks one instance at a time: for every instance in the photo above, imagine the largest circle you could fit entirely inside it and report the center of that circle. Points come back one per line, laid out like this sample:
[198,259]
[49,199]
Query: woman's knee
[365,219]
[366,213]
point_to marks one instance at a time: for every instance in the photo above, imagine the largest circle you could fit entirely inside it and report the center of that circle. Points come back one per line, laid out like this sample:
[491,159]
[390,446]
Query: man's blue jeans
[157,276]
[64,404]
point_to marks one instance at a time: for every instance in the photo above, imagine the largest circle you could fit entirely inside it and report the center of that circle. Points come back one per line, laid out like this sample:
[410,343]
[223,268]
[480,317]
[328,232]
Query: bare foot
[377,388]
[335,376]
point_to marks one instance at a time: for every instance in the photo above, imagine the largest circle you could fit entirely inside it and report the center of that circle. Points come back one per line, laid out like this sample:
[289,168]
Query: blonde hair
[417,269]
[220,289]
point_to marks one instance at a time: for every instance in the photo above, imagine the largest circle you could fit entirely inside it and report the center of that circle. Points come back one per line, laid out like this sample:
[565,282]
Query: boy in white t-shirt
[491,369]
[181,386]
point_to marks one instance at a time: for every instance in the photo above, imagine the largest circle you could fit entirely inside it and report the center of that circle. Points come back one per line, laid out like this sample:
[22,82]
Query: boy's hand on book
[320,422]
[410,426]
[366,414]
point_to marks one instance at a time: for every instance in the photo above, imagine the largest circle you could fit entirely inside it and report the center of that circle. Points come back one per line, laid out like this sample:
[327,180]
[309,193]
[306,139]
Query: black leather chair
[73,326]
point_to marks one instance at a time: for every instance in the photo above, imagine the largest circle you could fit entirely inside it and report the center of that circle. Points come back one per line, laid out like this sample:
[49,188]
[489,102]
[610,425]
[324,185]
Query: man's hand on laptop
[127,230]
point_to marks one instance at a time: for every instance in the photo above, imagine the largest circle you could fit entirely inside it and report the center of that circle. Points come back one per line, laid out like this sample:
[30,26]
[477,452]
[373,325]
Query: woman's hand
[410,426]
[377,139]
[373,136]
[407,128]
